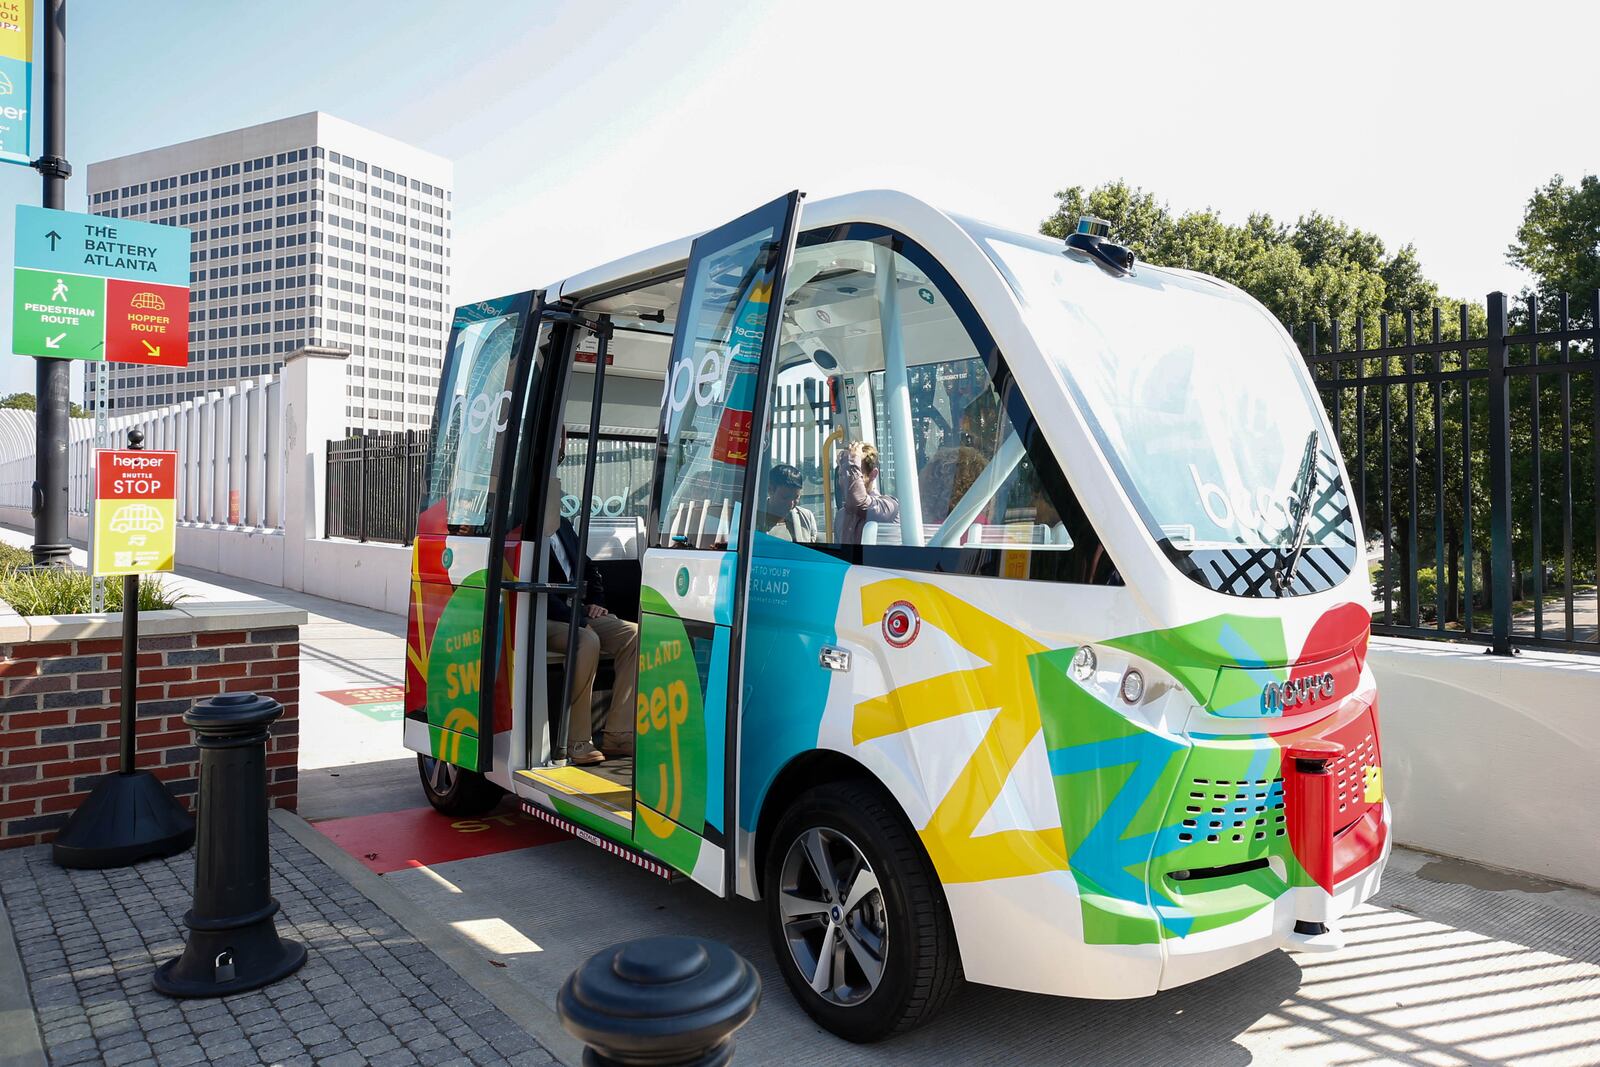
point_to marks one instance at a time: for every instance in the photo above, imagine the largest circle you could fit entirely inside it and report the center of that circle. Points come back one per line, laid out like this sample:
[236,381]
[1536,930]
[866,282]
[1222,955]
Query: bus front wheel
[453,790]
[858,924]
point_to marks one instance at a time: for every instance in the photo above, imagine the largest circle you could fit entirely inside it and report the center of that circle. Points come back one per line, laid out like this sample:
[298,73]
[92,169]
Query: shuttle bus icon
[136,518]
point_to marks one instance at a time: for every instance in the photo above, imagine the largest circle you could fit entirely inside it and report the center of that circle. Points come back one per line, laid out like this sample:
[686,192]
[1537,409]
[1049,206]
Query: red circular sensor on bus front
[901,623]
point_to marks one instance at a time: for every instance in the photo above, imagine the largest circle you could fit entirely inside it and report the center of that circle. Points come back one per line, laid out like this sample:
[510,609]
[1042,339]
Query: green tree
[27,402]
[1559,239]
[1317,271]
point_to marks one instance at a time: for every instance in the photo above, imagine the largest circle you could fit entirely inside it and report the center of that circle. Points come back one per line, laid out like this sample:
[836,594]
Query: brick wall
[60,716]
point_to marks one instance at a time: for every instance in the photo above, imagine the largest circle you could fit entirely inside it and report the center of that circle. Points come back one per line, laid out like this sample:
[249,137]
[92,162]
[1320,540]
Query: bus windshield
[1195,395]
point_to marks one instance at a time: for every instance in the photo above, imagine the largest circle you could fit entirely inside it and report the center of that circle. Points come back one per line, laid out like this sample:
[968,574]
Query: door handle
[834,658]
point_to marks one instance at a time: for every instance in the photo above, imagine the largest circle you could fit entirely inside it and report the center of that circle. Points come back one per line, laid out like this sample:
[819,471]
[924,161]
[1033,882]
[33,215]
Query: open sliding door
[696,566]
[463,635]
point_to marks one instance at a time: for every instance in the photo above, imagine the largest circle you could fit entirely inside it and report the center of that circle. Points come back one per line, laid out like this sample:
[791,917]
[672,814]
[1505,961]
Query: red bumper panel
[1333,793]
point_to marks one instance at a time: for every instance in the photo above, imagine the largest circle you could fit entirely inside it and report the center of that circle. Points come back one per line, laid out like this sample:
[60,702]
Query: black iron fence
[374,486]
[1473,440]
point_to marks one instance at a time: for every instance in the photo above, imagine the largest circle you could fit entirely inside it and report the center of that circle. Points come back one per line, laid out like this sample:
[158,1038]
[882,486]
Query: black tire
[920,965]
[455,791]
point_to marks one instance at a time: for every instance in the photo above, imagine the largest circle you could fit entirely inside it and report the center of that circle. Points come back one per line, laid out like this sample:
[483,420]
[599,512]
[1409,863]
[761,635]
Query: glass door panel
[696,565]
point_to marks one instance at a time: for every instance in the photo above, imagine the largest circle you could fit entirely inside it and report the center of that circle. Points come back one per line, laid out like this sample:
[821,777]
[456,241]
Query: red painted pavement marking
[421,837]
[369,694]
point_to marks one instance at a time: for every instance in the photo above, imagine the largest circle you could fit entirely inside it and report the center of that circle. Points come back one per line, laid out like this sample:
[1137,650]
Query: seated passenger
[781,515]
[600,633]
[858,489]
[949,473]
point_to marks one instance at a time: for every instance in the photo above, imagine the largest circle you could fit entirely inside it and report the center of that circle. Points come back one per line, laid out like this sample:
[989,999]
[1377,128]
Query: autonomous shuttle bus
[1001,609]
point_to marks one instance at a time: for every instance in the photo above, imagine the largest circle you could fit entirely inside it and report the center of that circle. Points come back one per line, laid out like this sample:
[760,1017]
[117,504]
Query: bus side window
[474,409]
[963,481]
[709,394]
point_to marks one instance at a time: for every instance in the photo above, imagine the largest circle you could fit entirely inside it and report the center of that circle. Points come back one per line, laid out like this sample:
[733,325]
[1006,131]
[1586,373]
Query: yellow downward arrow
[154,350]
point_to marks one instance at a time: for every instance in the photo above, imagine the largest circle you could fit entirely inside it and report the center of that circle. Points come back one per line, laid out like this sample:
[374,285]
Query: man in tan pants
[600,633]
[603,634]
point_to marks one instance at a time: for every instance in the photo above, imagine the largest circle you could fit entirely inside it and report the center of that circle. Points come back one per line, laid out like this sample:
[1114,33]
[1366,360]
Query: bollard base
[219,960]
[125,819]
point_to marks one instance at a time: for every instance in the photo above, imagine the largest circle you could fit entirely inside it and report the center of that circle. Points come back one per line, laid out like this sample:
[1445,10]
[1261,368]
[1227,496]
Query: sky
[583,131]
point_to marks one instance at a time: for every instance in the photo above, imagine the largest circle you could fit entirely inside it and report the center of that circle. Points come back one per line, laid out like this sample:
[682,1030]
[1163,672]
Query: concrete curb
[21,1043]
[495,984]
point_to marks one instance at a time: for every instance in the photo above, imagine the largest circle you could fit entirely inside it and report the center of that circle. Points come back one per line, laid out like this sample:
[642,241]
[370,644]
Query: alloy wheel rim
[441,775]
[834,919]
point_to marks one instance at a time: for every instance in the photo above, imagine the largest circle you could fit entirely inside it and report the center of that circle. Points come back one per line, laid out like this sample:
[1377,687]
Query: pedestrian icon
[61,290]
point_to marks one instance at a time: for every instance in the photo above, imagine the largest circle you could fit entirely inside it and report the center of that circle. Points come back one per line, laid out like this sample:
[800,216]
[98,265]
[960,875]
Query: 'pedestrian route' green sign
[59,315]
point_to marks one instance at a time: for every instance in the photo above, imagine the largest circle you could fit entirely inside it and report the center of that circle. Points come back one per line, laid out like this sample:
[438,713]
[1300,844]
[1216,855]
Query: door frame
[516,443]
[783,248]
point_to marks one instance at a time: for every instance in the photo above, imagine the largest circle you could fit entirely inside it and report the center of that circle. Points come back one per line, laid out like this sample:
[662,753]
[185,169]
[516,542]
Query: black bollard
[233,939]
[661,1001]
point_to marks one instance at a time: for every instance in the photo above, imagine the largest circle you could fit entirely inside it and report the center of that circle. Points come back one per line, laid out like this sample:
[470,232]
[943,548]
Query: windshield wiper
[1301,513]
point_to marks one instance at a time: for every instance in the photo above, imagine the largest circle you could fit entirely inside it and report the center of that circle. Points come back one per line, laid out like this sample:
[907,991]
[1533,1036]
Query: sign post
[129,816]
[52,378]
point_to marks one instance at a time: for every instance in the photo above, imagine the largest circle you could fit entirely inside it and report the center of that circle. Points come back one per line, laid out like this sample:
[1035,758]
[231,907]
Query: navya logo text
[701,378]
[1278,697]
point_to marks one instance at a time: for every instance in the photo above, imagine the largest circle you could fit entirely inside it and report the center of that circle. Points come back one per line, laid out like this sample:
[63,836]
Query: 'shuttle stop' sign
[135,511]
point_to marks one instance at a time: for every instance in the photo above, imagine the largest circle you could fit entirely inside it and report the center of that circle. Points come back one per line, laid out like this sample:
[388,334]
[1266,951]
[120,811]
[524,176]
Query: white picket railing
[230,456]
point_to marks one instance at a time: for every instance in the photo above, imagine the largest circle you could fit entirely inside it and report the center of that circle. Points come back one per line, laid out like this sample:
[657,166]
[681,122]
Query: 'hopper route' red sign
[147,323]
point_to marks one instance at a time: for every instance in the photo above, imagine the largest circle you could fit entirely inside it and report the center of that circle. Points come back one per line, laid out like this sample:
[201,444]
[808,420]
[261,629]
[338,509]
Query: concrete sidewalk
[1452,965]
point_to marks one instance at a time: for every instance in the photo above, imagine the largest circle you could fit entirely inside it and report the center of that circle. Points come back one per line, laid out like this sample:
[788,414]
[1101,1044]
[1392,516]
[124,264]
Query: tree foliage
[1317,270]
[1559,239]
[27,402]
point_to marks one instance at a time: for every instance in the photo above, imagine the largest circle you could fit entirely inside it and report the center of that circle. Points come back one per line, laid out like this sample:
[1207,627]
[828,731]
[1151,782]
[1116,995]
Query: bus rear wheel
[454,790]
[858,924]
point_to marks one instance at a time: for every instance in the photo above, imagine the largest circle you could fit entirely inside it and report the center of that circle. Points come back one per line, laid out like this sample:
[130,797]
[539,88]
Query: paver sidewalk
[370,992]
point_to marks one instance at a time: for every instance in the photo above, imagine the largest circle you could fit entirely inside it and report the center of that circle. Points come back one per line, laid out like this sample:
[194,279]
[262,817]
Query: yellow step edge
[577,782]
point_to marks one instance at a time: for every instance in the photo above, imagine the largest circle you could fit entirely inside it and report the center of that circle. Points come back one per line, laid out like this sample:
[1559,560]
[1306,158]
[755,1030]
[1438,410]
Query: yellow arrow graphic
[154,350]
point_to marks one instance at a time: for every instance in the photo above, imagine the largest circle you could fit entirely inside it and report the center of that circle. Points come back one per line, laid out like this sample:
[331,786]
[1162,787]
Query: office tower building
[307,231]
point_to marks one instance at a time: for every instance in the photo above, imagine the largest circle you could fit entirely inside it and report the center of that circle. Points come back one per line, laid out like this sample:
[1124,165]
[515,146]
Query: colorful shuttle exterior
[1129,771]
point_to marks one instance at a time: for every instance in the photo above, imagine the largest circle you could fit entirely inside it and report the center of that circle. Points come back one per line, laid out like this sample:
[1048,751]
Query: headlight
[1084,664]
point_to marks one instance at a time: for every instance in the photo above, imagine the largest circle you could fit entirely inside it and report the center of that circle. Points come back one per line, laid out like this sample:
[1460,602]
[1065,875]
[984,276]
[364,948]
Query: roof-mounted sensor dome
[1090,240]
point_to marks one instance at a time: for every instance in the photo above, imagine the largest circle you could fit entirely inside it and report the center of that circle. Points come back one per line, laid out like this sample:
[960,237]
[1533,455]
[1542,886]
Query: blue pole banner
[16,80]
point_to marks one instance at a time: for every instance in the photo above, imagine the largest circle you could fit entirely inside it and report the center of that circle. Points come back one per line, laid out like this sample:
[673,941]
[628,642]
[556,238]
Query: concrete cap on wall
[317,352]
